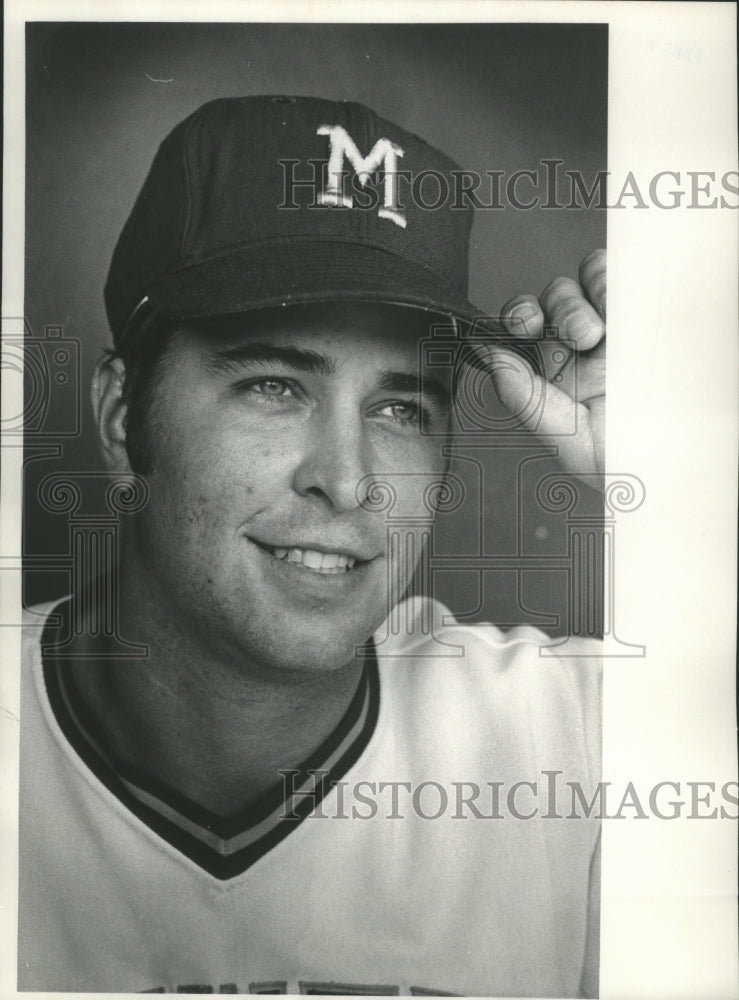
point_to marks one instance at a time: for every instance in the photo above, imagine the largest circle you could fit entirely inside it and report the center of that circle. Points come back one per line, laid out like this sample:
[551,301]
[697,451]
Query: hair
[142,349]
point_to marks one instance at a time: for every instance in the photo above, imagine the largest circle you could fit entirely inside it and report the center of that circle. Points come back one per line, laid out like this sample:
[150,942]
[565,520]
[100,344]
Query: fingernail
[524,311]
[580,328]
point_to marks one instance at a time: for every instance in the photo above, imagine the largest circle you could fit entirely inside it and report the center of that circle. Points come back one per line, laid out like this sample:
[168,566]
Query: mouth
[320,562]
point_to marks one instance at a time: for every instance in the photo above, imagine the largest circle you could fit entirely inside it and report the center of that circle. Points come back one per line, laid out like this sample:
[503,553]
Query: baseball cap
[262,201]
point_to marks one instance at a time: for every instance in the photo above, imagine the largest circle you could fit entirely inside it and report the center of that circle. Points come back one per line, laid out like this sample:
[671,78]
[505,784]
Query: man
[250,807]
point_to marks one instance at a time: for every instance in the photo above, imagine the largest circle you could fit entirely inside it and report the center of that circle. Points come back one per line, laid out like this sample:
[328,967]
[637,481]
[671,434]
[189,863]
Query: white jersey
[434,859]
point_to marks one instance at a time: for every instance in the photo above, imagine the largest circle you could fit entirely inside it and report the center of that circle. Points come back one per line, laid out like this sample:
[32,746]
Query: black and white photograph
[341,540]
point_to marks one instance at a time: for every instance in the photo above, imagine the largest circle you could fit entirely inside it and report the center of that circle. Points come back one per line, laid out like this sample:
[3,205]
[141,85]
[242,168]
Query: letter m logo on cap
[384,154]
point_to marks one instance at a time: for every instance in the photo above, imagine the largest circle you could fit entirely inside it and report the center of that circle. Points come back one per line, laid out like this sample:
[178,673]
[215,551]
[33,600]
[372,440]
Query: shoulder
[36,618]
[38,615]
[427,632]
[520,680]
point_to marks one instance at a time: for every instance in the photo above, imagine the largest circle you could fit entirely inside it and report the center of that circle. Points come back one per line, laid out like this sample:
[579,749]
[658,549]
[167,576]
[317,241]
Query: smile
[318,562]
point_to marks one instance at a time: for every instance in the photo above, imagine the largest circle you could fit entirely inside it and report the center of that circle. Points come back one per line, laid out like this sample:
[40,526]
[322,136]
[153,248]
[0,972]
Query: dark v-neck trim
[227,847]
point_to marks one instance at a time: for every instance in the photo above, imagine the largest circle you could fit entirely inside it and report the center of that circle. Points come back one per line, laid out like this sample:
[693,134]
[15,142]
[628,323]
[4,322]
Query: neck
[216,727]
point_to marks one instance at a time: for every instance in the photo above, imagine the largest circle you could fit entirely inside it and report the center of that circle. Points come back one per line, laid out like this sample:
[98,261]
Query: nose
[336,459]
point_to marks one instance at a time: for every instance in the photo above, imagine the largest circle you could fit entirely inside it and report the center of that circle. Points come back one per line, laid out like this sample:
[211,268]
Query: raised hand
[567,405]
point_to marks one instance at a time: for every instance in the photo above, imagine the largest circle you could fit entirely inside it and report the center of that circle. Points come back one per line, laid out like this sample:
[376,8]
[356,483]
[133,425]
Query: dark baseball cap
[256,202]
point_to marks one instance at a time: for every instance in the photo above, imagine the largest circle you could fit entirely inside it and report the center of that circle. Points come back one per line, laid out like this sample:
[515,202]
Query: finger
[593,279]
[597,415]
[583,377]
[554,355]
[546,411]
[522,316]
[547,356]
[567,309]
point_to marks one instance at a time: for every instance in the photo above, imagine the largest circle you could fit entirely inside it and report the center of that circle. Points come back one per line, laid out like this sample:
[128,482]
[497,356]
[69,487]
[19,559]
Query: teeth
[313,560]
[319,562]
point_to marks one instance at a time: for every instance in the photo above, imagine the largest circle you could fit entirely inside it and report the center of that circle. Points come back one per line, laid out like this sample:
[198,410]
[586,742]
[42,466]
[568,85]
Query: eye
[402,412]
[268,389]
[271,387]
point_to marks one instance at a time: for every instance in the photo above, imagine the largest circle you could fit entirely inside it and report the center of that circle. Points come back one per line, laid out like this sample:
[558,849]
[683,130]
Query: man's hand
[567,406]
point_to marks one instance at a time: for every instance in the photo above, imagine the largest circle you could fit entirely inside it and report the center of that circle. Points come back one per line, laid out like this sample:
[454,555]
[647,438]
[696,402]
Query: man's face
[262,536]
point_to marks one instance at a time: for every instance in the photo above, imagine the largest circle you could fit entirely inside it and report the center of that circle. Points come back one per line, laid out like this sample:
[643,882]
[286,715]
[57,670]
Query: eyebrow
[231,359]
[412,384]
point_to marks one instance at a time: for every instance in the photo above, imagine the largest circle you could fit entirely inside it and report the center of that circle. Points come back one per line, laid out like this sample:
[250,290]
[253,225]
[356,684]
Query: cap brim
[293,272]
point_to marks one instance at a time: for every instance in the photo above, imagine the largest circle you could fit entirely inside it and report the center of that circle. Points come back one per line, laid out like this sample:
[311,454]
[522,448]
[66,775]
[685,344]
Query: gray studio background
[494,97]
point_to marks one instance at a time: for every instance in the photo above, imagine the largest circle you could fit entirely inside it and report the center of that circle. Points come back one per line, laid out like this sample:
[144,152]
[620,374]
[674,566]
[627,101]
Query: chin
[314,656]
[317,645]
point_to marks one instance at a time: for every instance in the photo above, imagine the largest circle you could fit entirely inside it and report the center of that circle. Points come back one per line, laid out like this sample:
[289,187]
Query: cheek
[415,484]
[204,481]
[411,495]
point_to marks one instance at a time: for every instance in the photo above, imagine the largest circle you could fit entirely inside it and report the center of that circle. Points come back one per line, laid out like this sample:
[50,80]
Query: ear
[109,411]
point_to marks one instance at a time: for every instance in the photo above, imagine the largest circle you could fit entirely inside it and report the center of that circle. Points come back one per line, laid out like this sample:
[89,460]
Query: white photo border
[669,918]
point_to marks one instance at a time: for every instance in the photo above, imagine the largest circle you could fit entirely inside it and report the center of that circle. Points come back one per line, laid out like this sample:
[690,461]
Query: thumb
[544,410]
[518,386]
